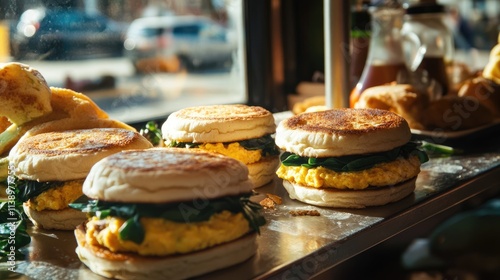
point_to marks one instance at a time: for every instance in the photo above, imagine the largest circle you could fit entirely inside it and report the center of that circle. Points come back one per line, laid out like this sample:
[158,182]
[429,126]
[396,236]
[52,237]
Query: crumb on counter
[267,203]
[271,201]
[275,198]
[296,213]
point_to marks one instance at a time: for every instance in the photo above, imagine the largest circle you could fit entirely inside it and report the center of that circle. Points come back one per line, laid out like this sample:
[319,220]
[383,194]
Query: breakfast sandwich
[349,158]
[238,131]
[47,170]
[166,213]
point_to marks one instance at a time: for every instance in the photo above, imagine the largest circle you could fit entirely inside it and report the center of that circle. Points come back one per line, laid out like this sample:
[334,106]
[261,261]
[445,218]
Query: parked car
[196,41]
[65,34]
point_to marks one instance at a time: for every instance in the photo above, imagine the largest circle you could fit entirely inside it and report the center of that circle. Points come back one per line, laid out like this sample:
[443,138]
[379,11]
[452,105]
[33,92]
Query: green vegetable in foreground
[152,132]
[439,150]
[13,228]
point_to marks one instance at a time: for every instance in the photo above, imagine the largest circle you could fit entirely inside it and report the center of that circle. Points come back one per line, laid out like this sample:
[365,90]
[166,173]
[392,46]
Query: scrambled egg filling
[57,198]
[234,150]
[383,174]
[164,237]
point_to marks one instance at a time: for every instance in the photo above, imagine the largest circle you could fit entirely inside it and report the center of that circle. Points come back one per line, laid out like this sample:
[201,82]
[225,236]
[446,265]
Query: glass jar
[428,46]
[385,62]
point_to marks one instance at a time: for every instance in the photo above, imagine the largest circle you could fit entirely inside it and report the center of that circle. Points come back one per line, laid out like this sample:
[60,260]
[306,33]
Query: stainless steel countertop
[299,247]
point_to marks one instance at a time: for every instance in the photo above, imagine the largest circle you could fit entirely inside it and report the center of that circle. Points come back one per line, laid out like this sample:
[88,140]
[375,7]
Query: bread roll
[483,91]
[454,113]
[402,99]
[492,69]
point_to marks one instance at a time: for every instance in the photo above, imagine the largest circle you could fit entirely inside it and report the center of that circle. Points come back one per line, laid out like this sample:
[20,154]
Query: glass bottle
[385,62]
[427,46]
[360,40]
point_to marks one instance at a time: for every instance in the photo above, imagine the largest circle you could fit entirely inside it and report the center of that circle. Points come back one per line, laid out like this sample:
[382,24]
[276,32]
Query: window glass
[138,60]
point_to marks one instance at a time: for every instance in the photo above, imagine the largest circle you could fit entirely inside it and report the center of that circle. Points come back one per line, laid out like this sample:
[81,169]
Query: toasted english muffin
[67,155]
[342,132]
[163,175]
[218,123]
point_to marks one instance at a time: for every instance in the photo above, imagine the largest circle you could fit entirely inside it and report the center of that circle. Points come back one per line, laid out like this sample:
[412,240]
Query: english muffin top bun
[349,158]
[166,175]
[342,132]
[49,169]
[238,131]
[167,213]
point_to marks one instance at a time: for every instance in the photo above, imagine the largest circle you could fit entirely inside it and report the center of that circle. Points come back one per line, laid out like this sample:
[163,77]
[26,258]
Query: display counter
[300,247]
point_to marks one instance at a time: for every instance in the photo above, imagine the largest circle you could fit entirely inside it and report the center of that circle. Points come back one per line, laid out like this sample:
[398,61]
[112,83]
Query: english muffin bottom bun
[350,158]
[238,131]
[167,213]
[48,169]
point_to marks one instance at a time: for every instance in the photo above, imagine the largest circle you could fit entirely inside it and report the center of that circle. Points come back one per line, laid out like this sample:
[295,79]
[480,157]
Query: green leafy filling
[183,212]
[265,143]
[28,189]
[152,132]
[13,228]
[355,162]
[175,144]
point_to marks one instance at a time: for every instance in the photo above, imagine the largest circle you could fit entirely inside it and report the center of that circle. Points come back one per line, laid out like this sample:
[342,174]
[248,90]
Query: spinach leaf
[152,132]
[188,145]
[28,189]
[13,228]
[265,143]
[132,230]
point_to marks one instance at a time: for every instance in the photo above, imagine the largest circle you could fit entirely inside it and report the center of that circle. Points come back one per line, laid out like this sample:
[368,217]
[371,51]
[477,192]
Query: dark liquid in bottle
[376,75]
[434,68]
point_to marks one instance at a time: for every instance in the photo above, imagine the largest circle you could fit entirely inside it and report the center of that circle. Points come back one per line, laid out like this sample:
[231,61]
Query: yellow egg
[234,150]
[383,174]
[57,198]
[164,237]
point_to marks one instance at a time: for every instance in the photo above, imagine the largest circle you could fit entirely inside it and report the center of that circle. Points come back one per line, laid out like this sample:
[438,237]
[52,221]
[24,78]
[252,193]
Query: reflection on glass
[137,60]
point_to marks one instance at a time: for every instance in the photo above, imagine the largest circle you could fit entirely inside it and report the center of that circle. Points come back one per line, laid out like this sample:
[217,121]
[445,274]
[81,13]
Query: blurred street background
[138,60]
